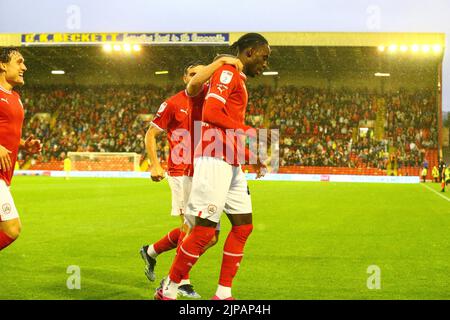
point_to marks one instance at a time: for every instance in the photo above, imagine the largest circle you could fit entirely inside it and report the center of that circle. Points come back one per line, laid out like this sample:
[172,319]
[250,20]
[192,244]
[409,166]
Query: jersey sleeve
[163,116]
[223,82]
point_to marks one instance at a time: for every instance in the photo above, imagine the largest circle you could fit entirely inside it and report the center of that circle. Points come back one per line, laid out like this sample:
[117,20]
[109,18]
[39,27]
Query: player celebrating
[177,116]
[219,183]
[12,69]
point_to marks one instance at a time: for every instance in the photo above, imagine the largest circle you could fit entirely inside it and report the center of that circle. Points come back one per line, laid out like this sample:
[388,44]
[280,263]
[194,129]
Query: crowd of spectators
[318,127]
[338,128]
[94,119]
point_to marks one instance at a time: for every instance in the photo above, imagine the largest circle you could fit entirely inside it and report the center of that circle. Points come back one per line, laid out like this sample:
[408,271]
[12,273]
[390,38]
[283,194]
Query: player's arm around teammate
[202,75]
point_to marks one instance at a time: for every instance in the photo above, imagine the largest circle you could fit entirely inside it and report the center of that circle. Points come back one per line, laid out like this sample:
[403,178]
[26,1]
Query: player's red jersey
[224,108]
[11,119]
[195,115]
[173,117]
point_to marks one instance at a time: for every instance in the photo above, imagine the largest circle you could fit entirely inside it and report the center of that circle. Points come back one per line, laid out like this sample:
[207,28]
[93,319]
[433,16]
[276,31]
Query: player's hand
[32,145]
[260,169]
[157,173]
[234,62]
[5,159]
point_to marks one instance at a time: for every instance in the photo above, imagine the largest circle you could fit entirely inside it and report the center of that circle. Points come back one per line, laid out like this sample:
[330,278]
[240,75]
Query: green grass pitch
[310,241]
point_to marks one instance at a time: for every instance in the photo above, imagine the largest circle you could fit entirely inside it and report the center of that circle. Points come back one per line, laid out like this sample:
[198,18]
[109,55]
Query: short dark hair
[248,40]
[6,52]
[191,65]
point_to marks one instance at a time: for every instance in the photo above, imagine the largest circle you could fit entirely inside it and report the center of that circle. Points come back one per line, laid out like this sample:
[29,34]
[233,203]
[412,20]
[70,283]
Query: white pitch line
[439,194]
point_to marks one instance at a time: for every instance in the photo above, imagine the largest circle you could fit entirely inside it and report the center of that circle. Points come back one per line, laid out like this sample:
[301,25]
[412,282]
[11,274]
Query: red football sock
[233,252]
[189,252]
[5,240]
[168,242]
[180,242]
[181,238]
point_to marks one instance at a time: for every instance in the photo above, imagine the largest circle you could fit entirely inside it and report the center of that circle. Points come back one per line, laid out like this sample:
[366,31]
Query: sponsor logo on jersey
[226,76]
[182,110]
[5,100]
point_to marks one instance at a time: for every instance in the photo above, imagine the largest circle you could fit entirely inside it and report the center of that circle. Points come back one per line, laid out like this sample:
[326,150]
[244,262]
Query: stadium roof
[326,61]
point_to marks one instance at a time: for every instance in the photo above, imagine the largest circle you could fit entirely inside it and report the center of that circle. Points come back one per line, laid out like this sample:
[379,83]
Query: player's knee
[242,231]
[202,235]
[248,229]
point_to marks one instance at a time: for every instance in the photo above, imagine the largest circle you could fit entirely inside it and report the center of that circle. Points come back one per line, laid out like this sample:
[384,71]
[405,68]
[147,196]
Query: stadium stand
[324,131]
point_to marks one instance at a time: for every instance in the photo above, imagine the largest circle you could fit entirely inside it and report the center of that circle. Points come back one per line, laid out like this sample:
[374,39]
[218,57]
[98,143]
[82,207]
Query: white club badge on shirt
[162,107]
[226,76]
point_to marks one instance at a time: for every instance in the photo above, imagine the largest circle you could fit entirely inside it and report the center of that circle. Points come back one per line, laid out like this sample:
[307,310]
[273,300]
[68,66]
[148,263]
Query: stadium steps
[54,119]
[355,132]
[446,154]
[380,120]
[431,155]
[144,165]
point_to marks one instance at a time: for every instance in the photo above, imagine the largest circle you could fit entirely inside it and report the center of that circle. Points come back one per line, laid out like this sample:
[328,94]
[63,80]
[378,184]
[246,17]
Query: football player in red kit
[219,184]
[12,69]
[177,116]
